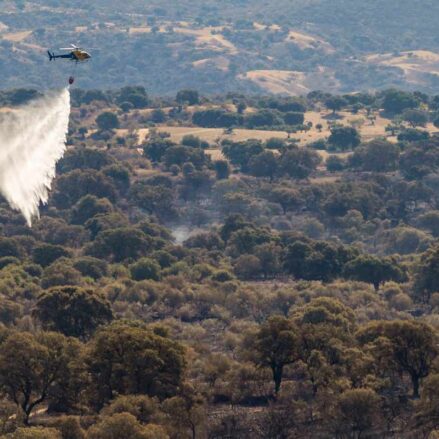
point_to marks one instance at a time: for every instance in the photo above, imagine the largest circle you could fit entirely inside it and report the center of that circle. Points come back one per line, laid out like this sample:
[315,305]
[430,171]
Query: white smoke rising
[180,234]
[32,140]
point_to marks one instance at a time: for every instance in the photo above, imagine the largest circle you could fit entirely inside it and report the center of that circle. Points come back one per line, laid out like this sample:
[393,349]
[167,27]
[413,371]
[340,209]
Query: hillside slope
[216,49]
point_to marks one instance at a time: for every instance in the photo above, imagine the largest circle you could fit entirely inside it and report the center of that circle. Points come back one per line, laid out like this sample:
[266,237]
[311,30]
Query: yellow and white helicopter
[76,54]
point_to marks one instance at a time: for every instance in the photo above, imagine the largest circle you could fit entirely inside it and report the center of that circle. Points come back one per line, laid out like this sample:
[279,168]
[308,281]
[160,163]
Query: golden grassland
[17,37]
[370,127]
[415,65]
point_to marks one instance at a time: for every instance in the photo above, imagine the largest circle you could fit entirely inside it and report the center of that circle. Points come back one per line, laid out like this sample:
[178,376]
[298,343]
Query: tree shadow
[332,116]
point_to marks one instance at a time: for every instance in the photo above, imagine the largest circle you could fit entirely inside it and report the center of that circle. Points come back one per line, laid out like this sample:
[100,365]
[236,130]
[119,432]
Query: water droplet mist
[32,140]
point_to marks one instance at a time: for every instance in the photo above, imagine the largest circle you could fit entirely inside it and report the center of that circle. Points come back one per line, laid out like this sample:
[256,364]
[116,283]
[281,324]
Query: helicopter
[76,54]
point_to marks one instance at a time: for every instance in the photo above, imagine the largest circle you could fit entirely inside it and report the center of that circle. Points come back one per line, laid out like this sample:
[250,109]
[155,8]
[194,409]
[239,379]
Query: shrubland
[166,294]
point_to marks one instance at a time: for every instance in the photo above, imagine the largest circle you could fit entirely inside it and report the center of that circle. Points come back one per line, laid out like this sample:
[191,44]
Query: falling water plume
[32,140]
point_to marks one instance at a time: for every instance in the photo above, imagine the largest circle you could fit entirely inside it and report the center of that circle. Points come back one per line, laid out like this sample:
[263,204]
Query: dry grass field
[324,179]
[415,64]
[206,38]
[369,126]
[278,81]
[368,129]
[219,62]
[213,135]
[17,37]
[305,41]
[292,83]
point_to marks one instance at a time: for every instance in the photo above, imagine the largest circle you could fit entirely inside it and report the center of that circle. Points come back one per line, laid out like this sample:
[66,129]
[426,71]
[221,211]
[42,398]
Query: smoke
[32,140]
[180,234]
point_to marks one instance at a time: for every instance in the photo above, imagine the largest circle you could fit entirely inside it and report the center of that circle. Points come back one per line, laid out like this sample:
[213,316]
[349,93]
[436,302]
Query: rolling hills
[252,47]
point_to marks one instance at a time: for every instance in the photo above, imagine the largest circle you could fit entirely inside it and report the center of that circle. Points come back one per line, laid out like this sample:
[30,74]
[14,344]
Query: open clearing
[324,179]
[219,62]
[271,27]
[17,37]
[214,135]
[304,41]
[292,83]
[206,39]
[416,65]
[140,30]
[278,81]
[142,134]
[368,128]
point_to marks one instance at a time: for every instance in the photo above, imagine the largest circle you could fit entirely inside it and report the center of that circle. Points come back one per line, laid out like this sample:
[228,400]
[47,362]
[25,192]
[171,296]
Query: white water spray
[32,140]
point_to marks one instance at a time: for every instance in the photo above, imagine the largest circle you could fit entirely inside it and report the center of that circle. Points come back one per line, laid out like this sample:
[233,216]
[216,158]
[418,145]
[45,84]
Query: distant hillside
[281,46]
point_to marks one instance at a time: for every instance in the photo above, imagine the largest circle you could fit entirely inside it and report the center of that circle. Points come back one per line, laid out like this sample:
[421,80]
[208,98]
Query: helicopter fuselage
[74,55]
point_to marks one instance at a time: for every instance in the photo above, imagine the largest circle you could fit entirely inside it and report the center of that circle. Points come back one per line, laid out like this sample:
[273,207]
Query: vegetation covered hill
[287,47]
[204,269]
